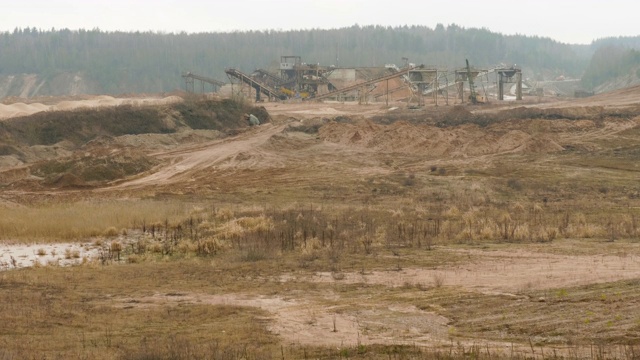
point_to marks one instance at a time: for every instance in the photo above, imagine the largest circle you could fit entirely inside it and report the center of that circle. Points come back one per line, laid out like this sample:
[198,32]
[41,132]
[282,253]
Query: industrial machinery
[260,87]
[299,80]
[473,97]
[189,79]
[367,83]
[509,75]
[296,79]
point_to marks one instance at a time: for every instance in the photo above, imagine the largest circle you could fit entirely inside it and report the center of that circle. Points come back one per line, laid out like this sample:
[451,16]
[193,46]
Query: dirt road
[185,162]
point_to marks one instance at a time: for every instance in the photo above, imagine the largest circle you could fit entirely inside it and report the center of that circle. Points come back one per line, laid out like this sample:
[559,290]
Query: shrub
[111,232]
[514,184]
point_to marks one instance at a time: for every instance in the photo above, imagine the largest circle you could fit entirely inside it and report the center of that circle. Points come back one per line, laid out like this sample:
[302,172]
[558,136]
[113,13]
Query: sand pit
[312,301]
[461,141]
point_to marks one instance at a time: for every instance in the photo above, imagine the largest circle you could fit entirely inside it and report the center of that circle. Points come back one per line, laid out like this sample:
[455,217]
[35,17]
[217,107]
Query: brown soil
[315,147]
[618,98]
[508,271]
[275,146]
[304,318]
[17,109]
[302,322]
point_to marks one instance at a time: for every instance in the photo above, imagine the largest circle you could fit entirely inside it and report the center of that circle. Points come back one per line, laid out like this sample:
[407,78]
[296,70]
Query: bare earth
[356,150]
[303,319]
[23,109]
[306,320]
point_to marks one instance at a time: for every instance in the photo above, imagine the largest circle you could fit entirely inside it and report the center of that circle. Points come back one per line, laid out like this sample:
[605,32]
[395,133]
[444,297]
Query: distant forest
[610,62]
[124,62]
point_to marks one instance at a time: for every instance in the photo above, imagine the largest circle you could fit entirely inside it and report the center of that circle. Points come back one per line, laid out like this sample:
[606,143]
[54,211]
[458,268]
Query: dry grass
[78,221]
[109,312]
[594,314]
[177,247]
[265,233]
[71,315]
[411,224]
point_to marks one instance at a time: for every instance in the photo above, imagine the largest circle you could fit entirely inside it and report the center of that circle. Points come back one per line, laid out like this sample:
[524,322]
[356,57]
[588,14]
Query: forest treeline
[610,62]
[124,62]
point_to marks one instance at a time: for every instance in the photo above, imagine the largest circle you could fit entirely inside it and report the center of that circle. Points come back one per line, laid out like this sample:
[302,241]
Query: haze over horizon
[575,22]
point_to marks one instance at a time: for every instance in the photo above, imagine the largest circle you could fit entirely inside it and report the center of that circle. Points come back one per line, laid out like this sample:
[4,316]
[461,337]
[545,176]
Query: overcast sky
[570,21]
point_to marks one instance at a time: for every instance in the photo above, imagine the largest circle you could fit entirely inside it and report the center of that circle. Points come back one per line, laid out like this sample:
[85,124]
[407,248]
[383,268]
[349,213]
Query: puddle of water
[14,256]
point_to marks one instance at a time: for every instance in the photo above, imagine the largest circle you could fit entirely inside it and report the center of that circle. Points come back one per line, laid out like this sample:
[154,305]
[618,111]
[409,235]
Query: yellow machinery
[292,94]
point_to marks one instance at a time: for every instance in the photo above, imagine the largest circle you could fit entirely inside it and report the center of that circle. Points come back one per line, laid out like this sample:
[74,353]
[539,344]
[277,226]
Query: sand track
[185,163]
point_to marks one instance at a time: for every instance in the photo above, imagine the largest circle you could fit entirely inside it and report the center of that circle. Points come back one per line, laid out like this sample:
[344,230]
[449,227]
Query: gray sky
[572,21]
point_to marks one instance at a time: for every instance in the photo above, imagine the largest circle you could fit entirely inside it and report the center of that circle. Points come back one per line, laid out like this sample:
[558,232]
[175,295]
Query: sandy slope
[184,162]
[22,109]
[357,144]
[618,98]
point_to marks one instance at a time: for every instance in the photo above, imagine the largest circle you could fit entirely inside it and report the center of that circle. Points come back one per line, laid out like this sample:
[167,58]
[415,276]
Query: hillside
[63,62]
[104,140]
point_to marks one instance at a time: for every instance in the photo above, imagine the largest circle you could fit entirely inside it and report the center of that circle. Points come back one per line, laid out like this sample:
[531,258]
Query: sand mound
[9,161]
[430,141]
[166,141]
[170,100]
[107,101]
[22,109]
[457,114]
[288,141]
[66,105]
[68,181]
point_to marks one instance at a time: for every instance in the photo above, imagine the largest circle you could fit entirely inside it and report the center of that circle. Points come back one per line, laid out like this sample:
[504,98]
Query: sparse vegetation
[218,114]
[85,219]
[372,253]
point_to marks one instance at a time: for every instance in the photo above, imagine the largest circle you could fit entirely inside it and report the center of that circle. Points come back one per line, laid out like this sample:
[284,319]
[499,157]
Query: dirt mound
[95,164]
[309,126]
[458,114]
[570,113]
[629,96]
[288,141]
[486,117]
[21,109]
[431,141]
[622,97]
[261,113]
[66,181]
[9,161]
[396,88]
[225,114]
[14,173]
[166,141]
[82,125]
